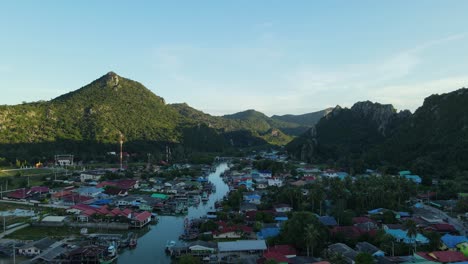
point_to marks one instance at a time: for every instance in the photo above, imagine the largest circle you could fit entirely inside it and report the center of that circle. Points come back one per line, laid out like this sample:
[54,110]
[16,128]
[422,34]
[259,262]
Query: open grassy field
[26,172]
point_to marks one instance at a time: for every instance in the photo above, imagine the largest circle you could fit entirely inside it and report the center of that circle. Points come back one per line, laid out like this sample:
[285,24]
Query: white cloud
[314,86]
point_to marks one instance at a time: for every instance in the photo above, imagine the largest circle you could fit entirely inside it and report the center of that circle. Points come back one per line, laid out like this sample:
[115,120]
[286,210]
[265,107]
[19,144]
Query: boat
[110,256]
[169,245]
[188,237]
[133,241]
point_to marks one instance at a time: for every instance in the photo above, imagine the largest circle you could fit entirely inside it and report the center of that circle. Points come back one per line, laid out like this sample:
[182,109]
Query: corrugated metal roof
[242,245]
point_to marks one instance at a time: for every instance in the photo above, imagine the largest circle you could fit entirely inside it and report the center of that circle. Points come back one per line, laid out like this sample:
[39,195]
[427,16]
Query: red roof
[19,194]
[349,231]
[82,207]
[309,178]
[39,189]
[76,198]
[122,184]
[143,216]
[89,212]
[286,250]
[224,228]
[61,193]
[278,257]
[443,227]
[444,256]
[362,220]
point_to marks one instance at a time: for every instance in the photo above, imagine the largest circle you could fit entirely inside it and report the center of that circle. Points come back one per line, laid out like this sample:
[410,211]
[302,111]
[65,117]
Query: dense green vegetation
[432,142]
[89,121]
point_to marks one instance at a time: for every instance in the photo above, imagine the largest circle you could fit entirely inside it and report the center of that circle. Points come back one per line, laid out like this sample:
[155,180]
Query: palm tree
[311,235]
[411,231]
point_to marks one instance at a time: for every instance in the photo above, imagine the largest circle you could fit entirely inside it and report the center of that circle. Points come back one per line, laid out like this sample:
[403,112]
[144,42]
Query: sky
[278,57]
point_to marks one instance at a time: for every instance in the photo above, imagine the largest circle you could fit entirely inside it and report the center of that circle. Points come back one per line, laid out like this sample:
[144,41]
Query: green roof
[159,195]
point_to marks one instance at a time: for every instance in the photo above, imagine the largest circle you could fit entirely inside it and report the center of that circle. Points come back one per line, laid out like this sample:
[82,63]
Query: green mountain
[261,123]
[346,133]
[89,122]
[256,124]
[433,140]
[99,112]
[307,120]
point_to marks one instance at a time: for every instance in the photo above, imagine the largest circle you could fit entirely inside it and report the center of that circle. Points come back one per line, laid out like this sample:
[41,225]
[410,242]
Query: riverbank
[151,246]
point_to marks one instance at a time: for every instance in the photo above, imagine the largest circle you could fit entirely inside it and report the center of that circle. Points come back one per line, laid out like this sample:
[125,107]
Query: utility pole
[14,254]
[121,149]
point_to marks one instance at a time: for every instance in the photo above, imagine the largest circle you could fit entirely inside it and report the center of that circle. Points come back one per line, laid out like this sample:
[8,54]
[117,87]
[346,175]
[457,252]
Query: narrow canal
[151,246]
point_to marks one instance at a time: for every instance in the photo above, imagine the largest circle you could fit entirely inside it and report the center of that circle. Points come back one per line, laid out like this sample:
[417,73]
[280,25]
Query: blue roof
[328,220]
[265,171]
[414,178]
[268,232]
[253,196]
[375,211]
[89,190]
[404,214]
[102,201]
[406,172]
[403,236]
[201,179]
[281,218]
[452,241]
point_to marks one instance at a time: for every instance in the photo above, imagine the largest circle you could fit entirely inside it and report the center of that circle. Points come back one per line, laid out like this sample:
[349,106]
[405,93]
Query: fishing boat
[133,241]
[110,256]
[169,245]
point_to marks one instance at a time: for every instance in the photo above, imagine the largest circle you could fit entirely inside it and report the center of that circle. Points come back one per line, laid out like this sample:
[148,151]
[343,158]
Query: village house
[242,246]
[234,231]
[275,181]
[36,247]
[89,191]
[348,253]
[253,198]
[139,220]
[282,208]
[94,175]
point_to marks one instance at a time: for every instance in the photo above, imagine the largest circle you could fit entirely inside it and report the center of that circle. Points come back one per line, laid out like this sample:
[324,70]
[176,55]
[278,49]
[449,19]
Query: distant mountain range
[91,119]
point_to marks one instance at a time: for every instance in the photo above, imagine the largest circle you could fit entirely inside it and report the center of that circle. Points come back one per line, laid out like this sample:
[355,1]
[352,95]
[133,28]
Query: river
[151,246]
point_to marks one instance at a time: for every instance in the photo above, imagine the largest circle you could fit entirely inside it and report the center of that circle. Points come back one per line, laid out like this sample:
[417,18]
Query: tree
[434,240]
[364,258]
[189,259]
[293,231]
[411,232]
[208,226]
[311,234]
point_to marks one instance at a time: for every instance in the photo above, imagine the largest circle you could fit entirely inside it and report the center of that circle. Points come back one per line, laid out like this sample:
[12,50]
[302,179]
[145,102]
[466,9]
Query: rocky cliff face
[348,131]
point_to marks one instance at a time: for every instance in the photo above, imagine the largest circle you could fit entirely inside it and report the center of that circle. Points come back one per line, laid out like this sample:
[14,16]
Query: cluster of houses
[256,183]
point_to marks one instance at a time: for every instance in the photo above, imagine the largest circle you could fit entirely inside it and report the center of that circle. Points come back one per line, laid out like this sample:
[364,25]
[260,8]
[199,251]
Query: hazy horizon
[226,57]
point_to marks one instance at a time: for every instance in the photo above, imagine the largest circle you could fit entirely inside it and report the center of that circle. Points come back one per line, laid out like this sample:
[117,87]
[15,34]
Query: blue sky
[221,57]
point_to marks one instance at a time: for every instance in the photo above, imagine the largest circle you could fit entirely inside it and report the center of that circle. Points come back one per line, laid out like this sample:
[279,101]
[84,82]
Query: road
[453,221]
[32,204]
[9,231]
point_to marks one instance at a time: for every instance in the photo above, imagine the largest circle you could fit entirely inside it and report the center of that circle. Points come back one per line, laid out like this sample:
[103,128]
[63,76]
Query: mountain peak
[110,79]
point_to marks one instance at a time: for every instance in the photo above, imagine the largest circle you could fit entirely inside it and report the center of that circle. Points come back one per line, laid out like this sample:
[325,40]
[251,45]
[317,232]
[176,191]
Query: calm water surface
[151,246]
